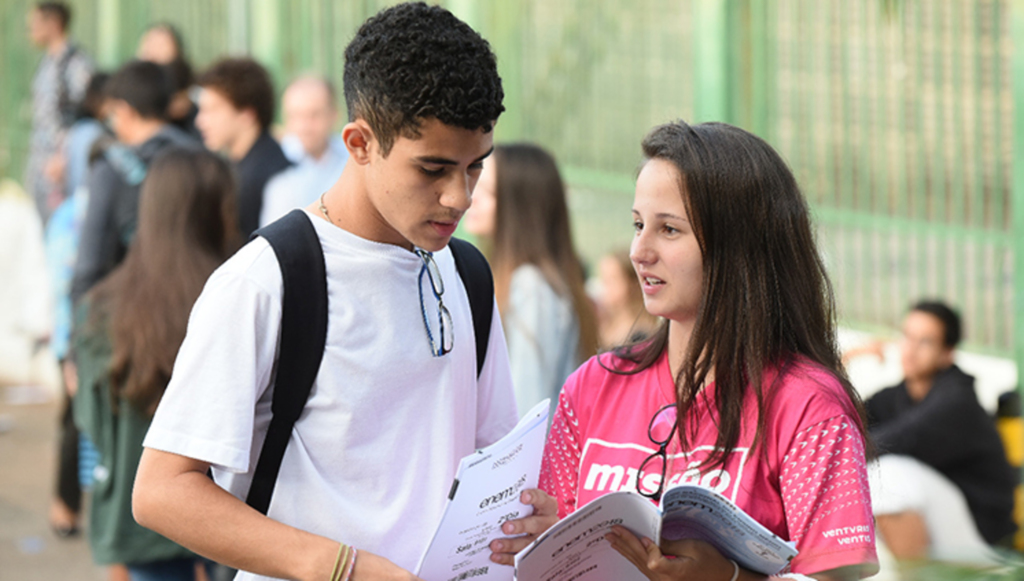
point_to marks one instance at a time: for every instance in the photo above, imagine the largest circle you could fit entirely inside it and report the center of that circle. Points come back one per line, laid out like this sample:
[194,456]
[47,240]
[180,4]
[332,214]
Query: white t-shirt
[372,456]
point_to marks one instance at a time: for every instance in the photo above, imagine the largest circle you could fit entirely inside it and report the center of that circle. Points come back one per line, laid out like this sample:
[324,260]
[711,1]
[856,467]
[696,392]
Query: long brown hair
[531,226]
[766,299]
[187,228]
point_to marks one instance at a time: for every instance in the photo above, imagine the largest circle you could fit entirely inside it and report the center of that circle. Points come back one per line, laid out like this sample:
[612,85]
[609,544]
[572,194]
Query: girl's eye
[477,166]
[432,172]
[638,225]
[669,230]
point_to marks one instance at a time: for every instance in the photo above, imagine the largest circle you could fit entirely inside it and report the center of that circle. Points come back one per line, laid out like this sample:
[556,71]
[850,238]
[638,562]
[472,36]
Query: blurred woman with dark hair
[741,390]
[128,332]
[621,316]
[520,214]
[163,44]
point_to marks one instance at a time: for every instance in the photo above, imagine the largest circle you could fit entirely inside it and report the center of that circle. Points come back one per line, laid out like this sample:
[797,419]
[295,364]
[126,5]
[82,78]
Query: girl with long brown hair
[128,333]
[520,214]
[741,390]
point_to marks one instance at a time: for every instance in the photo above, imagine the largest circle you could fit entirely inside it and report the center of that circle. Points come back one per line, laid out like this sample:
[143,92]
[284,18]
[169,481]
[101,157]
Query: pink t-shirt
[807,483]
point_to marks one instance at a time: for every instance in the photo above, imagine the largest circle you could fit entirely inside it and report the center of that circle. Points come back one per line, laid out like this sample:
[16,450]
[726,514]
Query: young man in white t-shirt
[370,460]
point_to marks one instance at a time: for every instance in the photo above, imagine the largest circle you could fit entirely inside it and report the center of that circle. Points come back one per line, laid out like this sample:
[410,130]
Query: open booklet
[575,548]
[483,496]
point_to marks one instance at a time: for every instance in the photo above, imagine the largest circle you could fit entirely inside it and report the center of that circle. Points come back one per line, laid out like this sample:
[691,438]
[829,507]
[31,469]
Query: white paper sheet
[484,495]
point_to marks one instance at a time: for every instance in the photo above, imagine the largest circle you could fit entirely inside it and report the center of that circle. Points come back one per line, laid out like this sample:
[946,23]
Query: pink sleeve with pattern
[559,471]
[826,498]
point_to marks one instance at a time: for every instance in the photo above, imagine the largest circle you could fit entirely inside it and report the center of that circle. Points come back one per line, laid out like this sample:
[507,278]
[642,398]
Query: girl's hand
[687,559]
[545,514]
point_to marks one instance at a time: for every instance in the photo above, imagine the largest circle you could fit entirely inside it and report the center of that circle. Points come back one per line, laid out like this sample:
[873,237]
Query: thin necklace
[323,208]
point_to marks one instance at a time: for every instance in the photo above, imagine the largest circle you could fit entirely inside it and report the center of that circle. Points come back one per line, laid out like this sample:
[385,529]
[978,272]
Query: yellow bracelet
[337,563]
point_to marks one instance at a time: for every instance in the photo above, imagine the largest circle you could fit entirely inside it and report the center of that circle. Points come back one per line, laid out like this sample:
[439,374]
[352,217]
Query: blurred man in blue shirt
[310,116]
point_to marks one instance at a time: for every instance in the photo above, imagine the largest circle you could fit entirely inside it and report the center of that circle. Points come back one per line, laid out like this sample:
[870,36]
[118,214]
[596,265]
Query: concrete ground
[28,549]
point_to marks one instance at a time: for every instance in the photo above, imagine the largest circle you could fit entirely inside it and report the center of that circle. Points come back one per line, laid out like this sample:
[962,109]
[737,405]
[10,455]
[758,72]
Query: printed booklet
[484,495]
[575,549]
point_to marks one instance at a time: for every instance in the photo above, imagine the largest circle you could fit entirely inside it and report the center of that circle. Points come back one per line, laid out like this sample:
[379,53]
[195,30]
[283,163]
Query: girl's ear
[359,139]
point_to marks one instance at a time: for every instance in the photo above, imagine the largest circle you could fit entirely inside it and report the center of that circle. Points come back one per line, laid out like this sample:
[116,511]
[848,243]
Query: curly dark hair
[245,83]
[413,62]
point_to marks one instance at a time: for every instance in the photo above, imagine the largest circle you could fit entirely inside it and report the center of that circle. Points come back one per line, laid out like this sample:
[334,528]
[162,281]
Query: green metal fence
[896,115]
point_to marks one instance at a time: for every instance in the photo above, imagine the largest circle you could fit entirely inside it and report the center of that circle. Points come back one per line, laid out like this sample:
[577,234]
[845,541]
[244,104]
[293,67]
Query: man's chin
[434,237]
[433,245]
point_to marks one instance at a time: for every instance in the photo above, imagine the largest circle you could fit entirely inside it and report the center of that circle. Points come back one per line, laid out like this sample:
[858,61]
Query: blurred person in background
[163,44]
[25,303]
[61,252]
[621,316]
[58,87]
[138,95]
[520,214]
[310,113]
[128,331]
[236,108]
[83,134]
[943,487]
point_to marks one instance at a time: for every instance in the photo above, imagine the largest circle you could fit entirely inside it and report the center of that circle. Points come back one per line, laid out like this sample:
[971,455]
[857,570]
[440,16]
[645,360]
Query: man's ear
[251,115]
[358,138]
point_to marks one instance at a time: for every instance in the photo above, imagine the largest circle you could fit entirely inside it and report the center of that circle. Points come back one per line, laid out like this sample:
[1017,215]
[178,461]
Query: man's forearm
[190,509]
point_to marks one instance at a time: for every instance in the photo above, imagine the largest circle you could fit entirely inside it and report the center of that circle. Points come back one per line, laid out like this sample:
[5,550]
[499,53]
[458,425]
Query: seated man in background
[943,487]
[310,114]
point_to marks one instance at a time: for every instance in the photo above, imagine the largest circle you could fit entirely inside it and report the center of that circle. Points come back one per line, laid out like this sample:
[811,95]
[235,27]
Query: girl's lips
[445,229]
[648,287]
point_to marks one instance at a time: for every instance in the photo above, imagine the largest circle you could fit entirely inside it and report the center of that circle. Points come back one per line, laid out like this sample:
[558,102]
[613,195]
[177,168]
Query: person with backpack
[137,98]
[337,368]
[57,89]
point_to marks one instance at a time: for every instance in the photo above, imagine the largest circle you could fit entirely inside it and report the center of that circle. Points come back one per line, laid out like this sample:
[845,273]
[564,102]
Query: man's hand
[687,559]
[545,514]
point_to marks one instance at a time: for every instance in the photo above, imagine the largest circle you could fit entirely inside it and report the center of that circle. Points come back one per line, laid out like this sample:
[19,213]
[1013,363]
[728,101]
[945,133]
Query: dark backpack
[304,331]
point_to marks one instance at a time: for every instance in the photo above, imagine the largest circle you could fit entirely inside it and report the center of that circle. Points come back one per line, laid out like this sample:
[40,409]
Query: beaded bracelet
[343,563]
[351,566]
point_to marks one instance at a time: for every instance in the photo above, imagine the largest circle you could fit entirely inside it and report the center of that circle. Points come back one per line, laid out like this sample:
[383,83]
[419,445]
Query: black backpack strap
[303,336]
[479,282]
